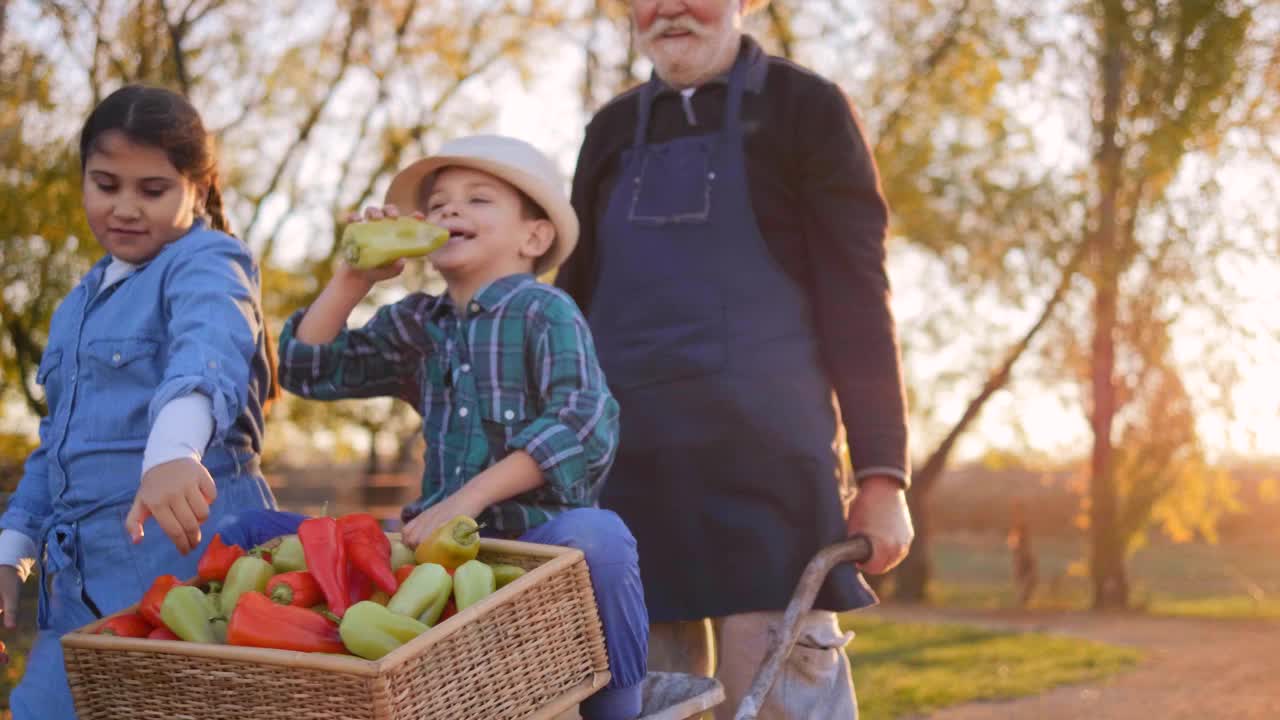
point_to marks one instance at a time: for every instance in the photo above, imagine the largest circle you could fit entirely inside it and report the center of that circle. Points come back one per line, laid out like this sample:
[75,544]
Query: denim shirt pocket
[126,373]
[502,423]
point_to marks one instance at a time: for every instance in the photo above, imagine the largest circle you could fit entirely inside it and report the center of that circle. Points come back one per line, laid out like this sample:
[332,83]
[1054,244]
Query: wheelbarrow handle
[856,549]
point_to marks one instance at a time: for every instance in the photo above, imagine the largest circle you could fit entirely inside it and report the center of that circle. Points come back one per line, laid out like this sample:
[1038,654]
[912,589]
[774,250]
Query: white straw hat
[509,159]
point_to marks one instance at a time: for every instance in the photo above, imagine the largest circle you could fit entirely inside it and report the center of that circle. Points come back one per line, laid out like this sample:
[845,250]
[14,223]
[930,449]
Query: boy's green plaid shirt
[515,370]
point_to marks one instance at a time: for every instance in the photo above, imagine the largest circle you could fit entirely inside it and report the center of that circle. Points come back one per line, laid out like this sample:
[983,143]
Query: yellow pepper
[452,544]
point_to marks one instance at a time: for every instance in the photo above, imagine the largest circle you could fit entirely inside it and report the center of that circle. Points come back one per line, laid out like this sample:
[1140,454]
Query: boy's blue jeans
[611,556]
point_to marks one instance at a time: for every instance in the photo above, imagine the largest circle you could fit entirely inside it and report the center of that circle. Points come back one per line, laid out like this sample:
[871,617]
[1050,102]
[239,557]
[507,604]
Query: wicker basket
[533,649]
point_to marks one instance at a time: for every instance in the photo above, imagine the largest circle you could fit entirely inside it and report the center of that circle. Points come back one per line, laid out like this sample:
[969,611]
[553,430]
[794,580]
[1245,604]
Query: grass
[1232,607]
[1239,580]
[901,669]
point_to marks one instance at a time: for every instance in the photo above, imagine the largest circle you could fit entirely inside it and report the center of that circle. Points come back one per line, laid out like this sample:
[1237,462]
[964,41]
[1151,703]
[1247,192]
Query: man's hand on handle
[880,512]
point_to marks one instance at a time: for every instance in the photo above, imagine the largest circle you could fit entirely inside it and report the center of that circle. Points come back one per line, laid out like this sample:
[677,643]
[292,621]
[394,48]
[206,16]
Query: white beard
[705,53]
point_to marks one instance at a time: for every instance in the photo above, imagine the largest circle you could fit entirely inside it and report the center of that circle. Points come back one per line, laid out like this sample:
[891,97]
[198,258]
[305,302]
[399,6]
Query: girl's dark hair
[164,119]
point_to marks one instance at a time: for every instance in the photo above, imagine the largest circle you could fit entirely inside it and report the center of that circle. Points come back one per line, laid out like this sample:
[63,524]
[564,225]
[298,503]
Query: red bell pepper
[153,598]
[359,586]
[368,549]
[258,622]
[217,559]
[403,572]
[326,560]
[162,633]
[295,588]
[131,625]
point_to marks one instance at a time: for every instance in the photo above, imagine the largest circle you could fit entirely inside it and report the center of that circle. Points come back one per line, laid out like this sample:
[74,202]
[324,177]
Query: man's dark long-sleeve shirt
[816,197]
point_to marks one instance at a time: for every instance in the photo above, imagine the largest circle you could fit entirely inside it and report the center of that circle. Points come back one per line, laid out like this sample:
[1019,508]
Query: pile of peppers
[339,585]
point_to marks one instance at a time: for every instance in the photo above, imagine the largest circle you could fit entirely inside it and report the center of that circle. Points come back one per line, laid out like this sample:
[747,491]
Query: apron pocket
[674,184]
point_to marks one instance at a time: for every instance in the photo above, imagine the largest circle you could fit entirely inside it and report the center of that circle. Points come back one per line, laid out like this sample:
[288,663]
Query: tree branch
[780,21]
[942,45]
[4,14]
[924,480]
[308,124]
[177,30]
[27,352]
[379,97]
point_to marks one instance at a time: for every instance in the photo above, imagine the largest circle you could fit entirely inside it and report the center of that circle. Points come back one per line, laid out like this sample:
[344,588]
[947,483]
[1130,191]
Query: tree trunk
[371,465]
[911,578]
[1107,556]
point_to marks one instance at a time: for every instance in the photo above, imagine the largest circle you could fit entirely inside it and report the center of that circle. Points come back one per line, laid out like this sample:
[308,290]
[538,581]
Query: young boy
[519,423]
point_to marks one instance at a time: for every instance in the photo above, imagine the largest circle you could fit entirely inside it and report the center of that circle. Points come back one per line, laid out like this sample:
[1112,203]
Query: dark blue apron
[726,471]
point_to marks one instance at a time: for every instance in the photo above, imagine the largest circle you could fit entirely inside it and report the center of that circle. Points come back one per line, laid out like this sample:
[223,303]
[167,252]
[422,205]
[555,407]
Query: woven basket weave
[531,650]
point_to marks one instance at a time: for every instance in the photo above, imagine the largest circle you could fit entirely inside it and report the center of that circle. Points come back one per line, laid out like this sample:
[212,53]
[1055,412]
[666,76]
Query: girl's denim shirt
[189,320]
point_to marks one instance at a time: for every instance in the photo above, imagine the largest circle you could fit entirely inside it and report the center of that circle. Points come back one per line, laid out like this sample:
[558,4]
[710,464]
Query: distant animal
[1025,573]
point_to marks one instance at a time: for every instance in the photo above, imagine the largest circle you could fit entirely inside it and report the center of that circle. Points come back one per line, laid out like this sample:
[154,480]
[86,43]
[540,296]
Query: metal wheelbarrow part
[678,696]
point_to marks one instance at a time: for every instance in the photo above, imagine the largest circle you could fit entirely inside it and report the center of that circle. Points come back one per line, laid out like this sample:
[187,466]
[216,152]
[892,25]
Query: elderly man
[732,267]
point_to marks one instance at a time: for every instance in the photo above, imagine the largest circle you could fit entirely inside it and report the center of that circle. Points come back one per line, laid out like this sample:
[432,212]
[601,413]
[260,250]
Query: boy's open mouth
[457,236]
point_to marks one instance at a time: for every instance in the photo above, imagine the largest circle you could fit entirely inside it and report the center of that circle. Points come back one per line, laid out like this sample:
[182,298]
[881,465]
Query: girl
[157,372]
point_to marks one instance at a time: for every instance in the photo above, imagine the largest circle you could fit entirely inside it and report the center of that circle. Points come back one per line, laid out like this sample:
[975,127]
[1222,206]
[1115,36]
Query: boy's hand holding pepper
[516,473]
[327,315]
[383,272]
[421,527]
[177,494]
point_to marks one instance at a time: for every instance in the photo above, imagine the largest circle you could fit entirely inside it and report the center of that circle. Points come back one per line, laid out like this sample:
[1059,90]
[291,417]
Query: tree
[311,123]
[41,222]
[1168,75]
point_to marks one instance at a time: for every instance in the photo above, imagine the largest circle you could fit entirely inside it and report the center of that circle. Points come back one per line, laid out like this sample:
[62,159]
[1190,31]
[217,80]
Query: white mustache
[680,22]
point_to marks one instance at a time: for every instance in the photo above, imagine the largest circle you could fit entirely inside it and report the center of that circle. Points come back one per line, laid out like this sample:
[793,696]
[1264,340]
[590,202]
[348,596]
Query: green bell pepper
[186,612]
[472,582]
[424,587]
[503,574]
[401,555]
[246,573]
[371,244]
[288,555]
[370,631]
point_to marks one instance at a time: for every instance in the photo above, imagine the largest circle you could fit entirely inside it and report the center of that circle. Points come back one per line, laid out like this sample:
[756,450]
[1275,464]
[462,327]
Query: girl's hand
[10,585]
[177,494]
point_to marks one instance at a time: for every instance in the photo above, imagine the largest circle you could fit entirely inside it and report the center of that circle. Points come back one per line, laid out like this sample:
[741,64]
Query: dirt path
[1201,669]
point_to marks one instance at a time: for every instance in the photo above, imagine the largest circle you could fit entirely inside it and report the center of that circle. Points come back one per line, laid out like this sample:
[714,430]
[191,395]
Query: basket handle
[783,637]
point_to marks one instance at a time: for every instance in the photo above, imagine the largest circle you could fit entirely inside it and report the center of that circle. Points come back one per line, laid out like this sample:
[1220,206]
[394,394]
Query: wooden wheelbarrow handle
[856,549]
